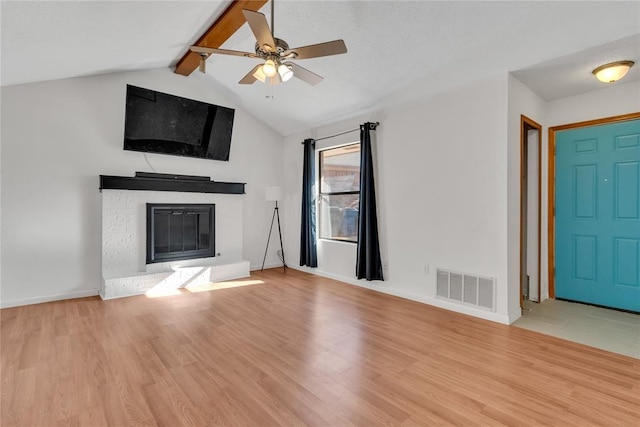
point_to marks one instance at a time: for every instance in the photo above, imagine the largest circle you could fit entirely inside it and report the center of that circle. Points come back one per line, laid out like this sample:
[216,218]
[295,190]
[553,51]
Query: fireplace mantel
[167,182]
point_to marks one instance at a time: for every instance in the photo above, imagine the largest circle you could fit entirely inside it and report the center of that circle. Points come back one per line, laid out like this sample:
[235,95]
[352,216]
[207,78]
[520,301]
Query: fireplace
[197,233]
[180,232]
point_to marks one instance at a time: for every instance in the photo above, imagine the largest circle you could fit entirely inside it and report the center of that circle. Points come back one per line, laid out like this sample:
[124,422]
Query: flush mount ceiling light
[609,73]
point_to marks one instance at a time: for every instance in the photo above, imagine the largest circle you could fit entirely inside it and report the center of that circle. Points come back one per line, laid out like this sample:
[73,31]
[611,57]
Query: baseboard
[487,315]
[271,265]
[48,298]
[515,316]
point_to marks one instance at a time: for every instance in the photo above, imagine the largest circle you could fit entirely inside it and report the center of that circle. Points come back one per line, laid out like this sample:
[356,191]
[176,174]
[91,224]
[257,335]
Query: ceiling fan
[275,53]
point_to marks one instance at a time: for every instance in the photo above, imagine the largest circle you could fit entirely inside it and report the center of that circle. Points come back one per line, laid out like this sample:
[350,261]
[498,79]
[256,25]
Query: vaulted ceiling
[398,51]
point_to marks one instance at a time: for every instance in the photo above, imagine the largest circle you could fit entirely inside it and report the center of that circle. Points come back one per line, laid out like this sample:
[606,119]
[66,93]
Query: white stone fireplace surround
[124,268]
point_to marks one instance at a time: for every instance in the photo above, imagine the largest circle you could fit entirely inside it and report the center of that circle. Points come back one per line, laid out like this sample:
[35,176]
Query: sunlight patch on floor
[198,282]
[203,287]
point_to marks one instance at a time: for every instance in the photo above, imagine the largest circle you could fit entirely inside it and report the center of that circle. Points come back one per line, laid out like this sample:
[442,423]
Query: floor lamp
[273,194]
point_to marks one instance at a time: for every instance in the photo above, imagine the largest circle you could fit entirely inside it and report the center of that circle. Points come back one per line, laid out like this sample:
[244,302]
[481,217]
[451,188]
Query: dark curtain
[369,263]
[308,254]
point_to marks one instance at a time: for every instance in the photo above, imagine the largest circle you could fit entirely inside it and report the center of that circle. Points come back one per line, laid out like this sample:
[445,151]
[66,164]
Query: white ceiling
[398,50]
[572,74]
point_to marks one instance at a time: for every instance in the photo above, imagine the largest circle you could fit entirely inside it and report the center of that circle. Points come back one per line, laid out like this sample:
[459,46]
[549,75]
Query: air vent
[467,289]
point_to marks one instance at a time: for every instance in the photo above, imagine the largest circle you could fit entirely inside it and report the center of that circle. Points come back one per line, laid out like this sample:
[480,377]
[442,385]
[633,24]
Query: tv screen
[157,122]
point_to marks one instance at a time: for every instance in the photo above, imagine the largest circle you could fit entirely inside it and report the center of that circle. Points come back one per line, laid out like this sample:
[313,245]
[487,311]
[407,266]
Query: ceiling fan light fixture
[285,72]
[202,67]
[269,68]
[274,52]
[259,75]
[612,72]
[275,80]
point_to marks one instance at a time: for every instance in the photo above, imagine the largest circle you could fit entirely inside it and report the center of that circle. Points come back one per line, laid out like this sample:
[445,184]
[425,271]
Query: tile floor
[610,330]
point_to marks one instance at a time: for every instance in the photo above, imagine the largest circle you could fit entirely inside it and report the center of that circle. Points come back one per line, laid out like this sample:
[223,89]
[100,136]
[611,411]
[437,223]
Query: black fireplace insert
[179,232]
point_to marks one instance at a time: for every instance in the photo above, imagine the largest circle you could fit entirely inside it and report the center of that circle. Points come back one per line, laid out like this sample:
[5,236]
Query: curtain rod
[374,126]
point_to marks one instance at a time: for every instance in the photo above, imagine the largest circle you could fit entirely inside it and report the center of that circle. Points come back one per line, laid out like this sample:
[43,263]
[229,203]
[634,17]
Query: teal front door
[598,215]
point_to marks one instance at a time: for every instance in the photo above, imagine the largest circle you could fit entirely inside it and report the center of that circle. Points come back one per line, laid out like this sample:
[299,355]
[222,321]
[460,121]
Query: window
[339,193]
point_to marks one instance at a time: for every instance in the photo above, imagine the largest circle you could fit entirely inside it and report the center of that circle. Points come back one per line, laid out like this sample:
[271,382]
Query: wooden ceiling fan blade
[210,50]
[335,47]
[260,28]
[250,78]
[304,74]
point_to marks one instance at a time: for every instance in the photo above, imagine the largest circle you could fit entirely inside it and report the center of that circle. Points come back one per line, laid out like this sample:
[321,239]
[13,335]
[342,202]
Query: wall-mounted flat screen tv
[157,122]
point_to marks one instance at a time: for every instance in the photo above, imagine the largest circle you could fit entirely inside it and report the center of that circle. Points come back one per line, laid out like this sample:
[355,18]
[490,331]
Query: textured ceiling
[572,74]
[398,50]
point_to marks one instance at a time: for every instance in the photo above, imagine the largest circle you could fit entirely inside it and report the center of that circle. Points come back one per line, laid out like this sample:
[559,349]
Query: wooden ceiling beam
[218,33]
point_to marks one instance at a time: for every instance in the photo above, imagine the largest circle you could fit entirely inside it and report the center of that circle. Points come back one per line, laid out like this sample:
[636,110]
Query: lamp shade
[273,194]
[269,68]
[285,72]
[259,75]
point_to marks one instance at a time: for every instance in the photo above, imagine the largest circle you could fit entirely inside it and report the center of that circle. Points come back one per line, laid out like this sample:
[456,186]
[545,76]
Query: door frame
[524,164]
[551,202]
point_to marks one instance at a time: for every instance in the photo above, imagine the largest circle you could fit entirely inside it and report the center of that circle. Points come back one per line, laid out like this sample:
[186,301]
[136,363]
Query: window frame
[333,193]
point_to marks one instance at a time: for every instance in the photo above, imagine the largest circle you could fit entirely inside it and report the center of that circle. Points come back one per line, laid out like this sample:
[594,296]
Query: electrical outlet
[426,269]
[385,265]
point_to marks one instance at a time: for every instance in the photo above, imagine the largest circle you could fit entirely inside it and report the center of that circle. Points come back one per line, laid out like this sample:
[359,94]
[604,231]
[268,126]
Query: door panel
[626,267]
[598,215]
[584,254]
[585,194]
[627,181]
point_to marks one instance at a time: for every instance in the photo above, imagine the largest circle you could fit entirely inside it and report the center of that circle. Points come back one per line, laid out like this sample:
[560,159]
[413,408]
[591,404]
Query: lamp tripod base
[276,214]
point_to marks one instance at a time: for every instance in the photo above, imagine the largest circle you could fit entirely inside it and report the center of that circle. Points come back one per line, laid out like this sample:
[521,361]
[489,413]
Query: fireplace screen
[176,232]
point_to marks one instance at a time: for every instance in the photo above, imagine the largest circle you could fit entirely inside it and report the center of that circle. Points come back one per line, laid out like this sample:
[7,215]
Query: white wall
[613,100]
[58,136]
[0,194]
[522,101]
[441,188]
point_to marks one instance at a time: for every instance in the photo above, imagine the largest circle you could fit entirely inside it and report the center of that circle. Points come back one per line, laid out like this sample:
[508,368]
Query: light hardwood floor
[296,349]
